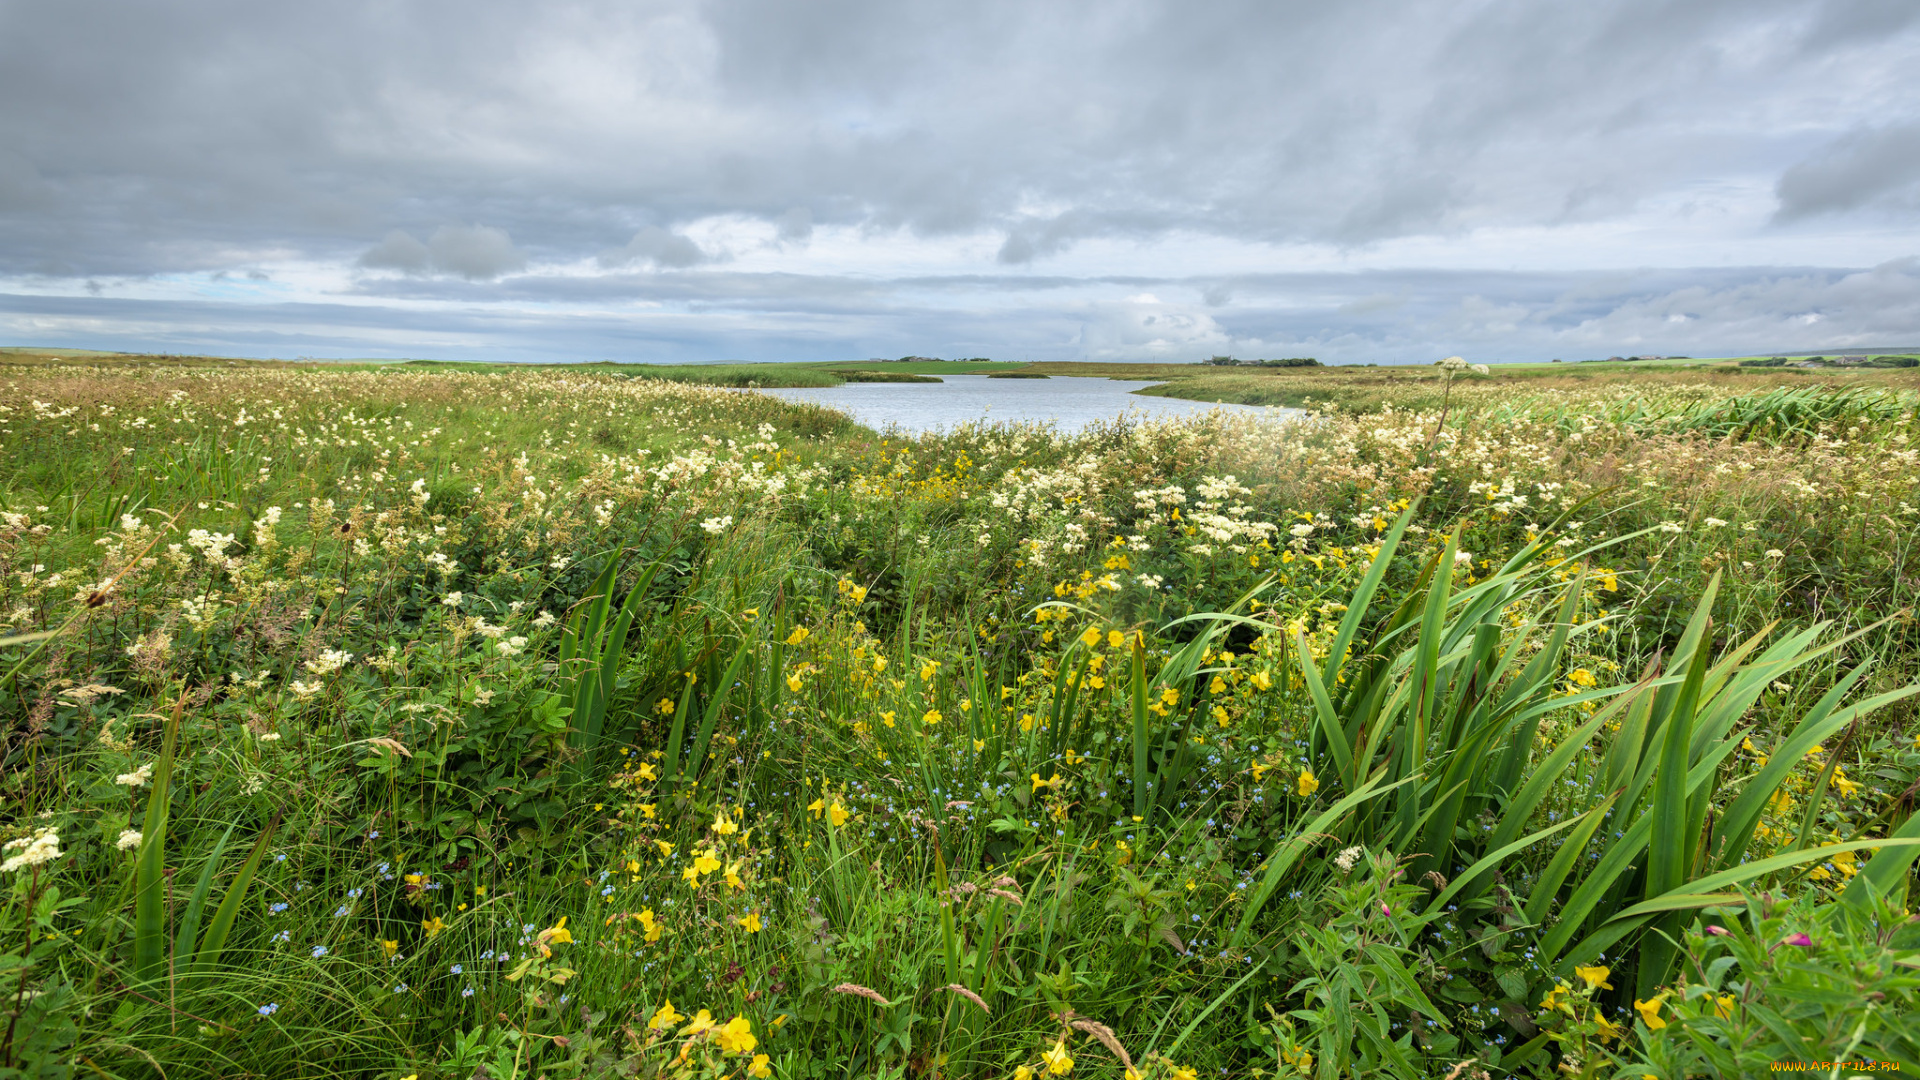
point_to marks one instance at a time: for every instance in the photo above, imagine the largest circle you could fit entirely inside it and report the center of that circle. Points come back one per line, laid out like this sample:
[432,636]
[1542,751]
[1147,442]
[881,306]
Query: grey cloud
[1385,316]
[1862,168]
[399,251]
[474,252]
[658,246]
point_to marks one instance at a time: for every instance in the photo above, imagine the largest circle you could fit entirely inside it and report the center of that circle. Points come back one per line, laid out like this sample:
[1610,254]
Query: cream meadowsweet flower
[129,839]
[42,847]
[137,778]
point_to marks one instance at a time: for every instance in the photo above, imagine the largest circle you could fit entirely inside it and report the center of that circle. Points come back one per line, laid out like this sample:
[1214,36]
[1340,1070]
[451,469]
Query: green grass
[1240,742]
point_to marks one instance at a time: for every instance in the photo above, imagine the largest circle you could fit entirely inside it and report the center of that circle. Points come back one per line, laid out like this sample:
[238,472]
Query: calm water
[1071,402]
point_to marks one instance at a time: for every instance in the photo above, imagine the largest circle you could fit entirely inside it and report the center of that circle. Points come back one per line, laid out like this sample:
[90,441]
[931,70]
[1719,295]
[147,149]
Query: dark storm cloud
[493,150]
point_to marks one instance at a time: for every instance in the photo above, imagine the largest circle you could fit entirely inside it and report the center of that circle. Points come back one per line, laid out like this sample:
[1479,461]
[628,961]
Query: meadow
[421,722]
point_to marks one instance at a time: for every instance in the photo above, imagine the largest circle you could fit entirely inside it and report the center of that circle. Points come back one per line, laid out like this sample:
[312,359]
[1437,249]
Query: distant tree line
[1291,361]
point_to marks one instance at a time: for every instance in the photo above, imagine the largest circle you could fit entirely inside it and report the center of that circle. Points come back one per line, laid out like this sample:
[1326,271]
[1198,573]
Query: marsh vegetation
[441,723]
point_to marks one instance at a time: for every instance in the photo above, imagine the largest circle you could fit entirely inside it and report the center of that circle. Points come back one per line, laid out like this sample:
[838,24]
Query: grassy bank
[558,722]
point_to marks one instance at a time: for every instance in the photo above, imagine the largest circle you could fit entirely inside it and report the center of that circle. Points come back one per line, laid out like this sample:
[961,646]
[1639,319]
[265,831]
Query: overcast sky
[1390,180]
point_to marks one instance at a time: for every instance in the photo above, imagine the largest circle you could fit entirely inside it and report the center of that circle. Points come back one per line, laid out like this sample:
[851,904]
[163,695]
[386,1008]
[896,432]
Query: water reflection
[1071,402]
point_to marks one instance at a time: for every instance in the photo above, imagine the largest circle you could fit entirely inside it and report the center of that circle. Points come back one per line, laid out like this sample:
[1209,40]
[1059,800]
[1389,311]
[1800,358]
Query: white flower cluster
[136,778]
[329,662]
[41,847]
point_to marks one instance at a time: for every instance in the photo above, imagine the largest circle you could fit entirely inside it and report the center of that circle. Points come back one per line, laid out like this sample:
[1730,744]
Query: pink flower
[1718,931]
[1801,940]
[1385,910]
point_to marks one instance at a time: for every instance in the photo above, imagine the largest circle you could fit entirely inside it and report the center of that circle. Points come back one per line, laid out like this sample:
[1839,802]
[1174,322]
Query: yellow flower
[722,826]
[479,890]
[1723,1006]
[887,718]
[702,1021]
[736,1037]
[932,717]
[1594,977]
[388,948]
[799,635]
[644,771]
[1650,1012]
[557,934]
[979,745]
[750,614]
[666,848]
[666,1017]
[1607,1028]
[817,807]
[664,706]
[1026,721]
[433,926]
[1058,1063]
[838,814]
[928,669]
[704,863]
[1023,1073]
[646,810]
[1307,784]
[751,922]
[1557,999]
[1845,786]
[793,682]
[759,1070]
[1115,639]
[733,876]
[654,930]
[1091,638]
[1261,681]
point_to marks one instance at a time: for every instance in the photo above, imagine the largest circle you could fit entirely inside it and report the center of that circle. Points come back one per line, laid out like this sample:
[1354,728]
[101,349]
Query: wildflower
[456,969]
[733,876]
[433,926]
[704,863]
[388,948]
[714,526]
[557,934]
[1023,1073]
[799,635]
[722,826]
[129,839]
[41,847]
[838,814]
[1557,999]
[750,614]
[1261,681]
[665,846]
[268,1009]
[1650,1012]
[653,929]
[1058,1063]
[1776,553]
[1347,858]
[453,599]
[737,1036]
[1801,940]
[137,777]
[702,1021]
[751,922]
[319,951]
[1595,977]
[759,1070]
[512,646]
[931,717]
[468,992]
[1307,784]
